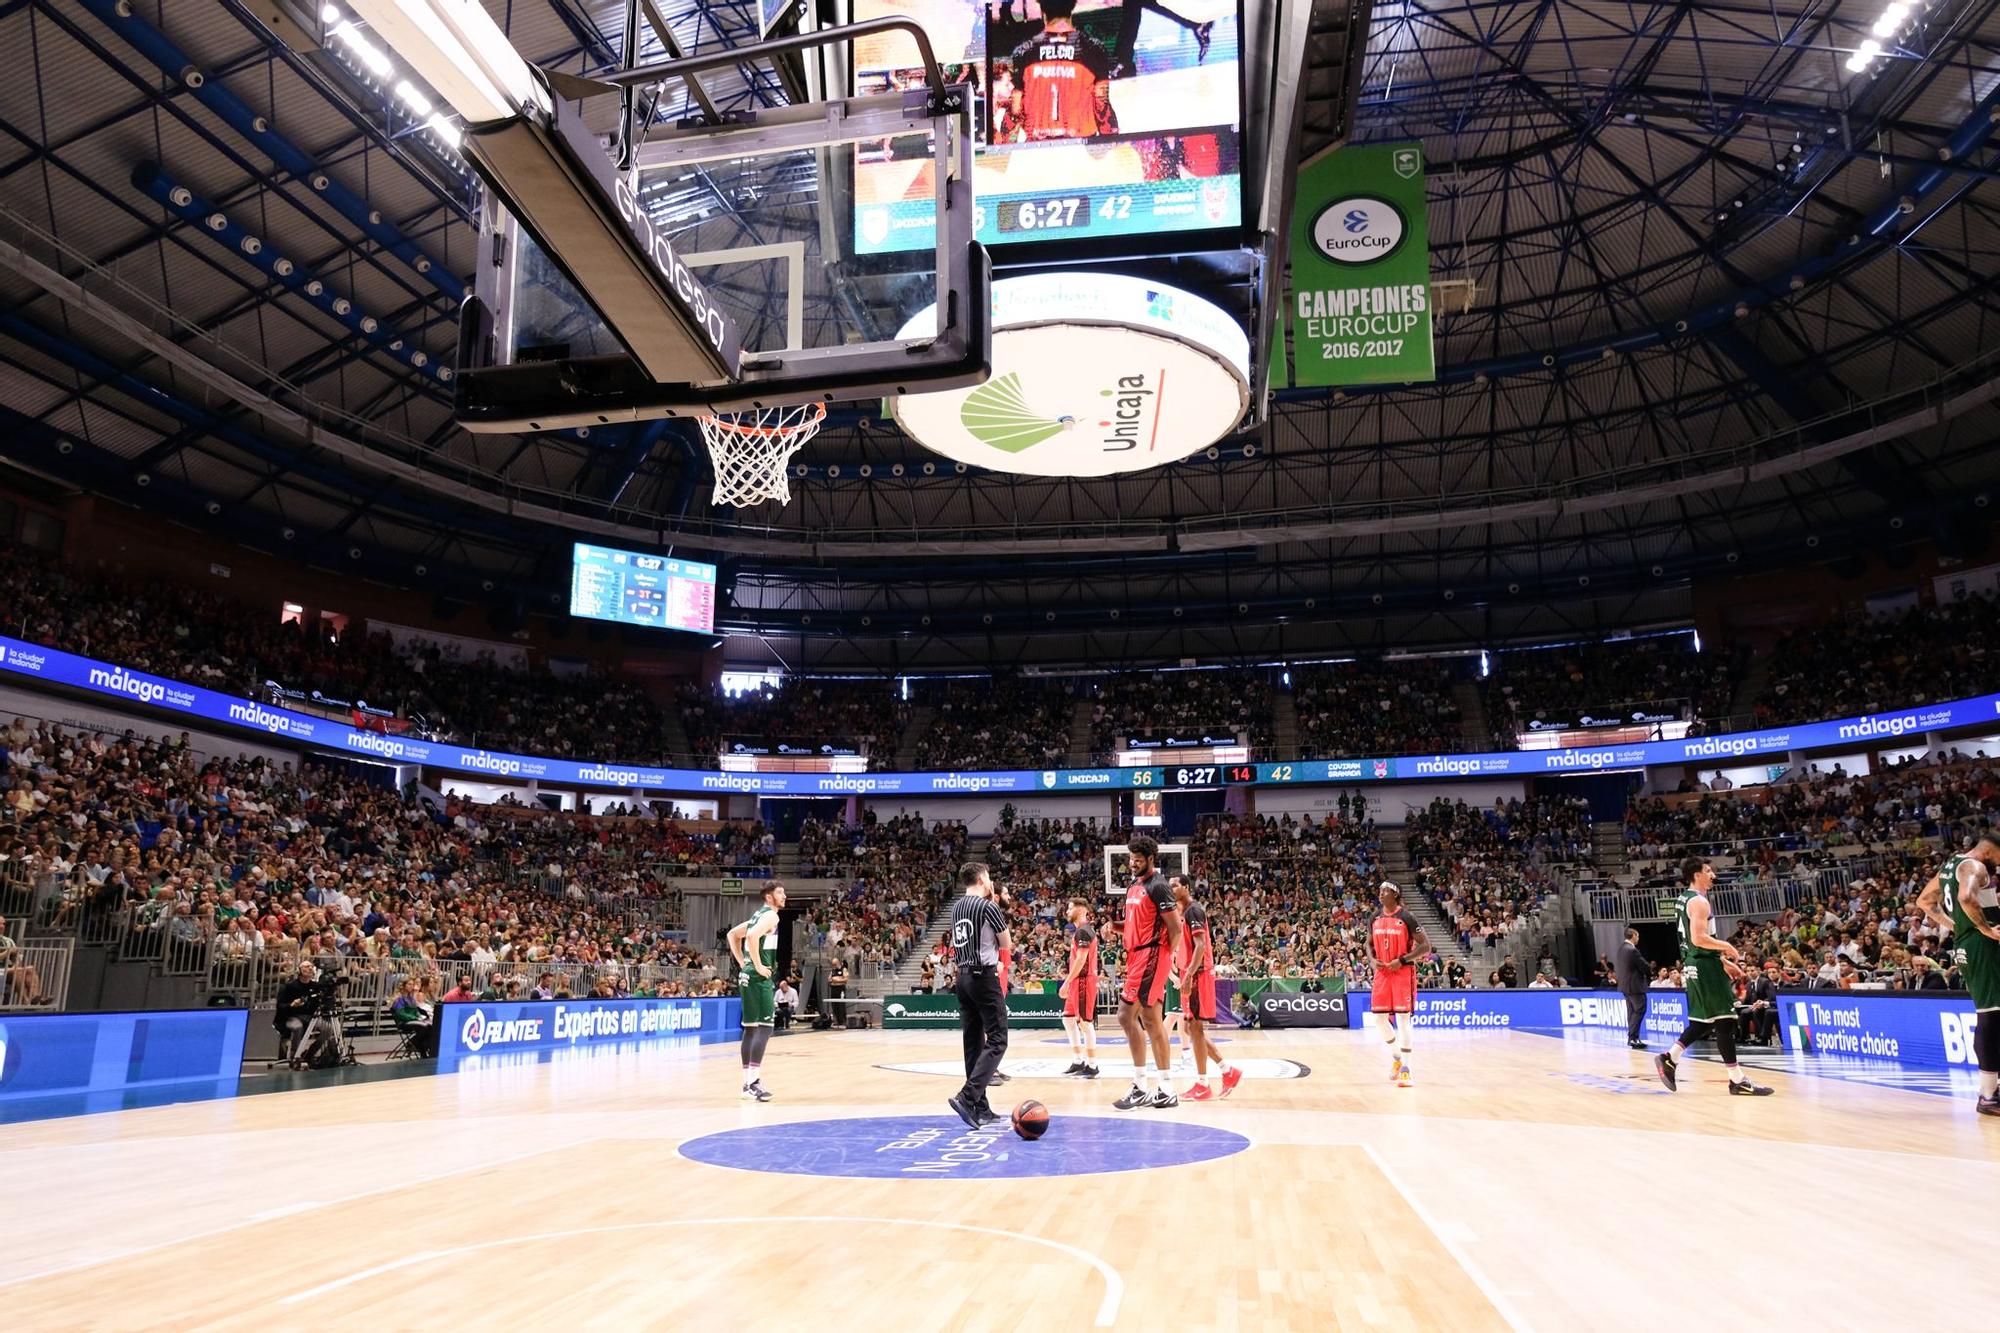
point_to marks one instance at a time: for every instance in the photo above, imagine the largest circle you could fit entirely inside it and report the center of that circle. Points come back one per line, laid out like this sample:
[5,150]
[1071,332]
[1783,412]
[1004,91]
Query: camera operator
[296,1001]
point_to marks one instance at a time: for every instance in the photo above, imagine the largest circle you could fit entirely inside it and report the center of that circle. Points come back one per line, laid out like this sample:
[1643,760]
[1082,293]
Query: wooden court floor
[1525,1182]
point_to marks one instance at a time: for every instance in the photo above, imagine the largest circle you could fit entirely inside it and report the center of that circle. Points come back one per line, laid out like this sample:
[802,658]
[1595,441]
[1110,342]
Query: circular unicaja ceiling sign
[1093,374]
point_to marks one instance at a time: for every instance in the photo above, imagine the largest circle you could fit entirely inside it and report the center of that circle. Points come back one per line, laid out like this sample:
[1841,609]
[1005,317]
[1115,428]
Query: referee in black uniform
[978,934]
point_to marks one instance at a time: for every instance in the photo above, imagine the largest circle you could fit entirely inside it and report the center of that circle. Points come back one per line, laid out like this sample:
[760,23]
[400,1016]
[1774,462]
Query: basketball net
[752,451]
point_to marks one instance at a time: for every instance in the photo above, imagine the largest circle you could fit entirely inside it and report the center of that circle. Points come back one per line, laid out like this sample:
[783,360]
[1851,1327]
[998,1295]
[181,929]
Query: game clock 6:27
[1053,214]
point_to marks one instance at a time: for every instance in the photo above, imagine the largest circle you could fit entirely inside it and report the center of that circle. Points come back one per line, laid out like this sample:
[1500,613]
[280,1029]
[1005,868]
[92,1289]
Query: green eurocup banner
[1361,269]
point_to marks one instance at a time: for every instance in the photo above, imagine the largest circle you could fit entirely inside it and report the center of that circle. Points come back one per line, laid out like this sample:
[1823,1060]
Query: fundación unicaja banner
[1361,269]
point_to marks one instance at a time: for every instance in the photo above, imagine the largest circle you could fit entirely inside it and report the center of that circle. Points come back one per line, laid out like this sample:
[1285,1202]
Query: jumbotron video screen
[1112,118]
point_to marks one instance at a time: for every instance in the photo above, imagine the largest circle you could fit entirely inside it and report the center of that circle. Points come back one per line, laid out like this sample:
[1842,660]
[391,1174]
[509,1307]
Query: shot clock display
[1121,120]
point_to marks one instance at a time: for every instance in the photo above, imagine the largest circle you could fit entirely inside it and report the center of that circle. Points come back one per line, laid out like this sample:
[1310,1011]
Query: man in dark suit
[1759,1009]
[1634,973]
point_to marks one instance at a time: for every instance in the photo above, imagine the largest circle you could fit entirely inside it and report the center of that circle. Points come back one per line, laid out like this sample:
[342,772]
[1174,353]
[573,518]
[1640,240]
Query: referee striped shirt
[976,924]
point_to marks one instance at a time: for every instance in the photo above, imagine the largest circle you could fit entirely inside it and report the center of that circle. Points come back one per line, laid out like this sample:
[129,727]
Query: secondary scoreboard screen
[632,588]
[1122,119]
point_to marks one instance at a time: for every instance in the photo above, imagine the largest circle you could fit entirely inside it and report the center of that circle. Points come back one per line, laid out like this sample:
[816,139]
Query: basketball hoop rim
[717,422]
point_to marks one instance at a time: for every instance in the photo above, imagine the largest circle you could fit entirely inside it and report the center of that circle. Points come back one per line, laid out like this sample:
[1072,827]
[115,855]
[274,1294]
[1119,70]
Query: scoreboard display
[633,588]
[1201,777]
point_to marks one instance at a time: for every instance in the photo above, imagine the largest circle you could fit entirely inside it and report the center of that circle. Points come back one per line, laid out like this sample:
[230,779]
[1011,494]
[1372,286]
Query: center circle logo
[473,1035]
[940,1148]
[1359,229]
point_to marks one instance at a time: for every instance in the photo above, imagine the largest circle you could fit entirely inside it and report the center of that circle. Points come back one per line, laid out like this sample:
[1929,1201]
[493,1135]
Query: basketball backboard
[1174,860]
[701,266]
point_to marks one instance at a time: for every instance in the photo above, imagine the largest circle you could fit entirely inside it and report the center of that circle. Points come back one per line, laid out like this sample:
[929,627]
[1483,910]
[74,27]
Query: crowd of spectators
[1486,866]
[188,860]
[1350,709]
[1286,898]
[1534,689]
[1002,723]
[897,872]
[866,714]
[1867,933]
[169,628]
[1150,705]
[1772,828]
[1874,663]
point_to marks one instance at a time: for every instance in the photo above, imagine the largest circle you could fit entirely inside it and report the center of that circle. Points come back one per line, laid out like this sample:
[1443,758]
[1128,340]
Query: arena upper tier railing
[181,700]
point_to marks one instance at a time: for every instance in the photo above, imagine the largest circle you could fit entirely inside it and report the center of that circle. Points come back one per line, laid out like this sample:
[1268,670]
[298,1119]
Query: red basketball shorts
[1198,1000]
[1082,999]
[1145,977]
[1395,991]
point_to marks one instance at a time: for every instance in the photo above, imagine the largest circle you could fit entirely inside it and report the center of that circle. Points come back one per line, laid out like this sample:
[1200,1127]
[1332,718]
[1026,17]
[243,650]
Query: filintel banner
[1920,1028]
[474,1028]
[1361,269]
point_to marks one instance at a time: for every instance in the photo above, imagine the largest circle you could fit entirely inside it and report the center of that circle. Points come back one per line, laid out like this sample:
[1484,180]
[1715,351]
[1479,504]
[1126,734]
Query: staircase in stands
[904,978]
[1284,729]
[1080,745]
[920,721]
[1473,726]
[1396,869]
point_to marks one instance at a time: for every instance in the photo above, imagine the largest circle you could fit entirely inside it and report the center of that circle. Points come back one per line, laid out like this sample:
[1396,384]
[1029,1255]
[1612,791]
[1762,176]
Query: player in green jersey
[754,946]
[1964,897]
[1705,968]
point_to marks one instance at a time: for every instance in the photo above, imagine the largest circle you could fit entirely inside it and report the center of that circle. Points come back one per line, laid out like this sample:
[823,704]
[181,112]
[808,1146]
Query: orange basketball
[1031,1120]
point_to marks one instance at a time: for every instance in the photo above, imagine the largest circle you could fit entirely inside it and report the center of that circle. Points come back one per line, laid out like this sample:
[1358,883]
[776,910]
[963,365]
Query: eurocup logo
[1359,229]
[473,1035]
[1048,777]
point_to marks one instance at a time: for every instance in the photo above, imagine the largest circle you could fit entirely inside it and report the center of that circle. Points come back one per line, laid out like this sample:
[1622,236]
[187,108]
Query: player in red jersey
[1062,80]
[1398,942]
[1152,938]
[1079,992]
[1197,970]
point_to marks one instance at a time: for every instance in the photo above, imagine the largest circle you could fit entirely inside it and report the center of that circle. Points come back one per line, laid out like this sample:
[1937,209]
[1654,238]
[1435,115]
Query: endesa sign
[1301,1009]
[473,1028]
[1914,1028]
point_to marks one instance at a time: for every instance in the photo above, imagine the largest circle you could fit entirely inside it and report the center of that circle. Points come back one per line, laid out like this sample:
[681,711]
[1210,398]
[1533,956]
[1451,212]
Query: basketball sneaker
[1395,1068]
[1748,1089]
[1075,1068]
[964,1110]
[1230,1078]
[1664,1066]
[1987,1106]
[1201,1092]
[1402,1075]
[1088,1071]
[1136,1097]
[754,1092]
[1163,1100]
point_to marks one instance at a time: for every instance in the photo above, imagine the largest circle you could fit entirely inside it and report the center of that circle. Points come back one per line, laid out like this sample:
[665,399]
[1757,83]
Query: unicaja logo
[473,1035]
[120,681]
[1131,411]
